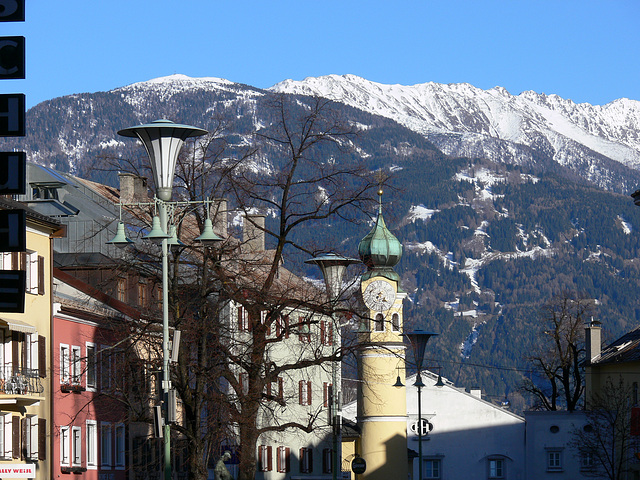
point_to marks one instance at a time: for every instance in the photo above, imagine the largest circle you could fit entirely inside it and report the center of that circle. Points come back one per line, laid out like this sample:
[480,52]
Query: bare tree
[557,381]
[606,445]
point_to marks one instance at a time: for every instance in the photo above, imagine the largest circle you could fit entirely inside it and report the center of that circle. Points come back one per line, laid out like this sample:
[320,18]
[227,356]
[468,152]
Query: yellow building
[25,354]
[382,408]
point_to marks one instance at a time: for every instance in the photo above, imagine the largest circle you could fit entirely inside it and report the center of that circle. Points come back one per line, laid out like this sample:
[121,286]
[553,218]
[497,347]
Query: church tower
[382,407]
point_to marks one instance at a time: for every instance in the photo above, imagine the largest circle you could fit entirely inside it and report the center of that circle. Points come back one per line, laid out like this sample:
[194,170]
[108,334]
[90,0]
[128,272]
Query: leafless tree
[557,381]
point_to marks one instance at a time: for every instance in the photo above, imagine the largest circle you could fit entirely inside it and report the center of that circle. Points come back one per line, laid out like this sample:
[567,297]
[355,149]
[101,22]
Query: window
[264,458]
[91,366]
[275,389]
[105,445]
[121,293]
[92,445]
[379,323]
[282,326]
[142,294]
[496,468]
[586,461]
[76,365]
[120,446]
[76,446]
[31,437]
[304,329]
[64,363]
[554,460]
[326,332]
[284,459]
[65,456]
[327,461]
[243,320]
[432,468]
[105,368]
[244,383]
[306,460]
[305,392]
[395,322]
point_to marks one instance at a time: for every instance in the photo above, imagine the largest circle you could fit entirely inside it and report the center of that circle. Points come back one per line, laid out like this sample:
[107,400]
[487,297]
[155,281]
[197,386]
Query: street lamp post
[333,267]
[418,340]
[163,140]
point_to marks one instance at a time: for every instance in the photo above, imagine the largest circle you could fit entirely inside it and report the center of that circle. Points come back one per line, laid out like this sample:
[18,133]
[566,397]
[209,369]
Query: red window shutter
[42,438]
[280,388]
[268,388]
[308,393]
[287,458]
[300,388]
[41,275]
[15,436]
[329,332]
[269,459]
[323,332]
[42,357]
[286,326]
[303,467]
[260,459]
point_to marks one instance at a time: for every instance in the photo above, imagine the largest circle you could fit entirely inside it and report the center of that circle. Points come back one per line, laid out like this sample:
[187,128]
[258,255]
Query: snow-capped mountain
[462,120]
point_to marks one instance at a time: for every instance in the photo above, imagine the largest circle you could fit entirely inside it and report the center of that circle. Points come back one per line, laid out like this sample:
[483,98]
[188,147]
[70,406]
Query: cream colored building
[25,354]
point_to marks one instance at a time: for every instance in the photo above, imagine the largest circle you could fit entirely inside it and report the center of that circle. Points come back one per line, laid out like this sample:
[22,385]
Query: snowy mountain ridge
[463,120]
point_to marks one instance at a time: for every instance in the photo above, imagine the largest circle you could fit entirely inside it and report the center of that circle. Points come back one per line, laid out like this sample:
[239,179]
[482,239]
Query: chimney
[219,213]
[593,339]
[476,392]
[132,188]
[253,233]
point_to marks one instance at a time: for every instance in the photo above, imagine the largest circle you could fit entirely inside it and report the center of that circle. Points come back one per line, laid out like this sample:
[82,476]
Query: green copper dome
[380,249]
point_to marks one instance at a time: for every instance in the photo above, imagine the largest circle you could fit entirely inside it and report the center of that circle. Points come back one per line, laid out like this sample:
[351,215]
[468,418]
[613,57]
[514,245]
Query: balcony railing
[20,381]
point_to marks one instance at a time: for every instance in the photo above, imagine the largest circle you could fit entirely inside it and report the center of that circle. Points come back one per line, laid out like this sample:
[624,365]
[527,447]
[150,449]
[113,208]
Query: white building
[470,438]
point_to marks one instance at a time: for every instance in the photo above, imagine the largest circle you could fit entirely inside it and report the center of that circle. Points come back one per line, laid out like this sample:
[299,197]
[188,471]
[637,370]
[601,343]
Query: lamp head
[163,140]
[333,267]
[120,240]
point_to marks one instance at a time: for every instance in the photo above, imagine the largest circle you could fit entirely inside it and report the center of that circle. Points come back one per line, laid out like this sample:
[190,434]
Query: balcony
[20,386]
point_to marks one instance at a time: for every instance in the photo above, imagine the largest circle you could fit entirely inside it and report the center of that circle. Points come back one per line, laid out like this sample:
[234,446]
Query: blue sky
[588,51]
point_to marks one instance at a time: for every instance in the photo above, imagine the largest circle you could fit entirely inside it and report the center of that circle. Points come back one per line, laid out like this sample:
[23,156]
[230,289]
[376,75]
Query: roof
[33,216]
[624,349]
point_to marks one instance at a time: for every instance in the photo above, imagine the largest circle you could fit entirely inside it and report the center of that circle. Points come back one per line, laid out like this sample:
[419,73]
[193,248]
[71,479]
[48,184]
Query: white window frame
[433,473]
[76,446]
[75,365]
[106,446]
[65,355]
[7,420]
[120,446]
[65,453]
[92,366]
[554,460]
[92,444]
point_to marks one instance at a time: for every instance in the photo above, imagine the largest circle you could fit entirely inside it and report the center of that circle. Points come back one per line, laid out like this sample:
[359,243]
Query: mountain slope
[462,120]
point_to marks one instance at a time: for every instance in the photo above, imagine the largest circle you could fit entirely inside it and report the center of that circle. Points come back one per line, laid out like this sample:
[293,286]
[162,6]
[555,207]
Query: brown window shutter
[240,324]
[42,439]
[260,459]
[287,459]
[280,388]
[15,436]
[269,458]
[15,351]
[300,386]
[286,326]
[15,261]
[323,332]
[309,393]
[42,356]
[23,261]
[40,275]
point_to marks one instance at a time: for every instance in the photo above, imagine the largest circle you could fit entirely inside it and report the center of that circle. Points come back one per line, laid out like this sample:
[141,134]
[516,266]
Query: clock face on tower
[379,295]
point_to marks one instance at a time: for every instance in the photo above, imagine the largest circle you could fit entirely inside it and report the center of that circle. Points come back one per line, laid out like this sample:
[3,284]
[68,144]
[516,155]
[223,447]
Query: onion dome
[380,249]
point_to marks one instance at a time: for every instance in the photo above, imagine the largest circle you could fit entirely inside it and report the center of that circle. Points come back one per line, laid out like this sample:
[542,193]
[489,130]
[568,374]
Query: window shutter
[40,275]
[15,436]
[15,260]
[286,326]
[23,261]
[303,468]
[323,332]
[260,459]
[15,351]
[309,393]
[310,453]
[269,460]
[23,438]
[287,459]
[42,356]
[42,438]
[280,388]
[300,387]
[240,323]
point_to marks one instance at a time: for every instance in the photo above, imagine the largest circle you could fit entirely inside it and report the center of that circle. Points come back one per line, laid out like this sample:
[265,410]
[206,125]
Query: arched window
[395,322]
[379,323]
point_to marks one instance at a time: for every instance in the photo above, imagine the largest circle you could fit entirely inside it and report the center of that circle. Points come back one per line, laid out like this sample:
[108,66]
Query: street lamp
[418,340]
[333,267]
[163,140]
